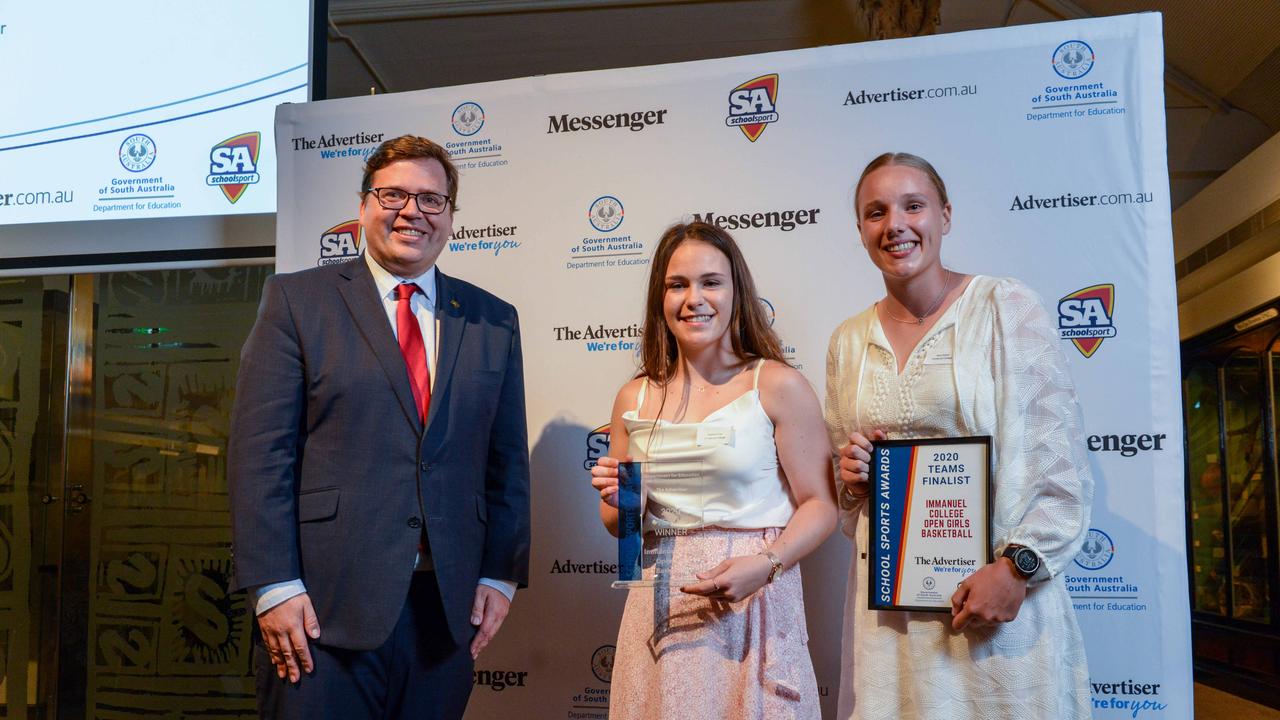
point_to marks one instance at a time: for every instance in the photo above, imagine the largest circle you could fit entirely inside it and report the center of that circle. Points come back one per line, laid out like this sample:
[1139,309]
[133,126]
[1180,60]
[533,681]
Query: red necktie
[412,348]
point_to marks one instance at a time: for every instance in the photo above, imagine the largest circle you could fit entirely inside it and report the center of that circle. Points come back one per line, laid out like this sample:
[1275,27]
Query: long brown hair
[749,330]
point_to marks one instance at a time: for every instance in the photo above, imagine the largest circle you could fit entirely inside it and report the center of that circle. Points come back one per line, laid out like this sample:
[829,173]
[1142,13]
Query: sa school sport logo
[753,105]
[340,243]
[1084,317]
[233,164]
[597,446]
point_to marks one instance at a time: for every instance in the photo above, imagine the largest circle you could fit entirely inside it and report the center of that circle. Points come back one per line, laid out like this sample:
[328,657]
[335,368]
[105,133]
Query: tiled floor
[1214,704]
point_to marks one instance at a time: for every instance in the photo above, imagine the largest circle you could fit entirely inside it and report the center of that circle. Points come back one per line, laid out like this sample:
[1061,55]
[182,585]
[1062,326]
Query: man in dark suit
[378,464]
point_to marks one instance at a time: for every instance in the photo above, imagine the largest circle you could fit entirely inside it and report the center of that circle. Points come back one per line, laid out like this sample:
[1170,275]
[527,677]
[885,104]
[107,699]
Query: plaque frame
[890,516]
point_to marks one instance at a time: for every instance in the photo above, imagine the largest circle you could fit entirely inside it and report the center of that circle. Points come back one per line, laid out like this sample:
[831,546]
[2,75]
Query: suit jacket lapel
[450,314]
[370,318]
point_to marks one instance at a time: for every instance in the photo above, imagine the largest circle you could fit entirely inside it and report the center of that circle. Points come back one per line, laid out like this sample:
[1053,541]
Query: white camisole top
[722,471]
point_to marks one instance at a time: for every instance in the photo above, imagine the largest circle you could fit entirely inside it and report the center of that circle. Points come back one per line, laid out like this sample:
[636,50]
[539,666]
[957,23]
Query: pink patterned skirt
[686,656]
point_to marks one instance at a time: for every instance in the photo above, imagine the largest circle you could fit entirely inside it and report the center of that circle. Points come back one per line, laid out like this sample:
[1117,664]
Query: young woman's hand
[604,478]
[855,463]
[734,579]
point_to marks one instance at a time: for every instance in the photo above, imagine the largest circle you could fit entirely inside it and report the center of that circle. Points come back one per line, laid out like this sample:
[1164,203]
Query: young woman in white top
[945,354]
[715,395]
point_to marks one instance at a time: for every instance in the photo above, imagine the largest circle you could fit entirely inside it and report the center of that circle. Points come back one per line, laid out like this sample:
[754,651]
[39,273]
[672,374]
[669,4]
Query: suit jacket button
[415,523]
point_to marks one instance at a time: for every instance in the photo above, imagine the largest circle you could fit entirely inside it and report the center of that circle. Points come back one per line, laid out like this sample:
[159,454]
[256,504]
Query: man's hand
[285,629]
[993,594]
[487,613]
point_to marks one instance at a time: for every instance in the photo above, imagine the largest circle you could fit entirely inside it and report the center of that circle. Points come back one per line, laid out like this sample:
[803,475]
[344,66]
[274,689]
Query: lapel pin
[455,304]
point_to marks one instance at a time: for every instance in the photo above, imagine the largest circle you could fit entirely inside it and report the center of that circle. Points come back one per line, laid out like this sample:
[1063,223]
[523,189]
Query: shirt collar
[386,282]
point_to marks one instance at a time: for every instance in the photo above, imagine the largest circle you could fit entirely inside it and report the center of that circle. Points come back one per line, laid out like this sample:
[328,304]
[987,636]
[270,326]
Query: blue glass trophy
[658,501]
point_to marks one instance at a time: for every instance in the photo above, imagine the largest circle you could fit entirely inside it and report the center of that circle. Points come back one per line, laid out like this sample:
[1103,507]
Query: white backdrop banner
[1051,139]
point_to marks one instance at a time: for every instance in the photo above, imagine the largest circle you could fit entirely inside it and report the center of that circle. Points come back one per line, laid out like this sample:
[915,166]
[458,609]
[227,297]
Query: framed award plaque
[930,514]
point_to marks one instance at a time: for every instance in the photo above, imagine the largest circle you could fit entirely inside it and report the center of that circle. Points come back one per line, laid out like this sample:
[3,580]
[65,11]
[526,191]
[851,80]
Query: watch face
[1026,561]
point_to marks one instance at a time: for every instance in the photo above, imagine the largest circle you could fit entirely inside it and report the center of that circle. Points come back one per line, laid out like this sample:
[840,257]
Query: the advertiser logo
[593,567]
[37,197]
[1129,696]
[334,146]
[467,119]
[1031,201]
[1097,550]
[900,94]
[1085,317]
[499,680]
[233,164]
[597,446]
[1073,59]
[340,243]
[137,152]
[753,105]
[635,121]
[601,337]
[784,220]
[489,239]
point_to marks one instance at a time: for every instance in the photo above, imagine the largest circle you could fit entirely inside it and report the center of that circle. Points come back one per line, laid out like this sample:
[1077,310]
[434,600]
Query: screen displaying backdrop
[145,109]
[1051,141]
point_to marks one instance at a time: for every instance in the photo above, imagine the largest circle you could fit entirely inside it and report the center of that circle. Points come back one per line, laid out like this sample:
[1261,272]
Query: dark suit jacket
[332,477]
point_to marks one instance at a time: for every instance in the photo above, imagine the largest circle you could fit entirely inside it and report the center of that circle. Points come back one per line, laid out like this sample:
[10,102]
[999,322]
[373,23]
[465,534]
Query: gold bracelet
[773,560]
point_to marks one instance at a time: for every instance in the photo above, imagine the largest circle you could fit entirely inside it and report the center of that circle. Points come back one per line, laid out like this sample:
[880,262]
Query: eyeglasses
[395,199]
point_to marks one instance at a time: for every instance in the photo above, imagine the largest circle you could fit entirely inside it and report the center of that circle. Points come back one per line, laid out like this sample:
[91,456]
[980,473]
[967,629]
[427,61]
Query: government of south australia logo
[753,105]
[340,243]
[605,213]
[602,663]
[1084,317]
[468,118]
[137,152]
[1096,551]
[233,164]
[1073,59]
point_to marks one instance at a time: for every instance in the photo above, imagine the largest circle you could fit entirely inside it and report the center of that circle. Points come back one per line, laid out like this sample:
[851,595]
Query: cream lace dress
[992,365]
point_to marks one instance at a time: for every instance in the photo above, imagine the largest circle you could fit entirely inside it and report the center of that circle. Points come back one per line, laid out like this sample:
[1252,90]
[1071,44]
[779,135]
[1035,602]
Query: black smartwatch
[1025,560]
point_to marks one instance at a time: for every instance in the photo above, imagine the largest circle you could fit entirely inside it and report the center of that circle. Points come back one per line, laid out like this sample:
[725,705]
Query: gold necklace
[919,319]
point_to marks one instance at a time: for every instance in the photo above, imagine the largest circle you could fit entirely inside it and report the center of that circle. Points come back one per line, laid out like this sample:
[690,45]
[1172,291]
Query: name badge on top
[930,520]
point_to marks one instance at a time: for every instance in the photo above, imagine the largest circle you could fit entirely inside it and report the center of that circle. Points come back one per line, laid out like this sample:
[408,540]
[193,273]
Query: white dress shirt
[423,305]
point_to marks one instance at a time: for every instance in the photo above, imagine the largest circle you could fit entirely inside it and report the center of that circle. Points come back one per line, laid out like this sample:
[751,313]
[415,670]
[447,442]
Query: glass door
[164,633]
[33,331]
[115,402]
